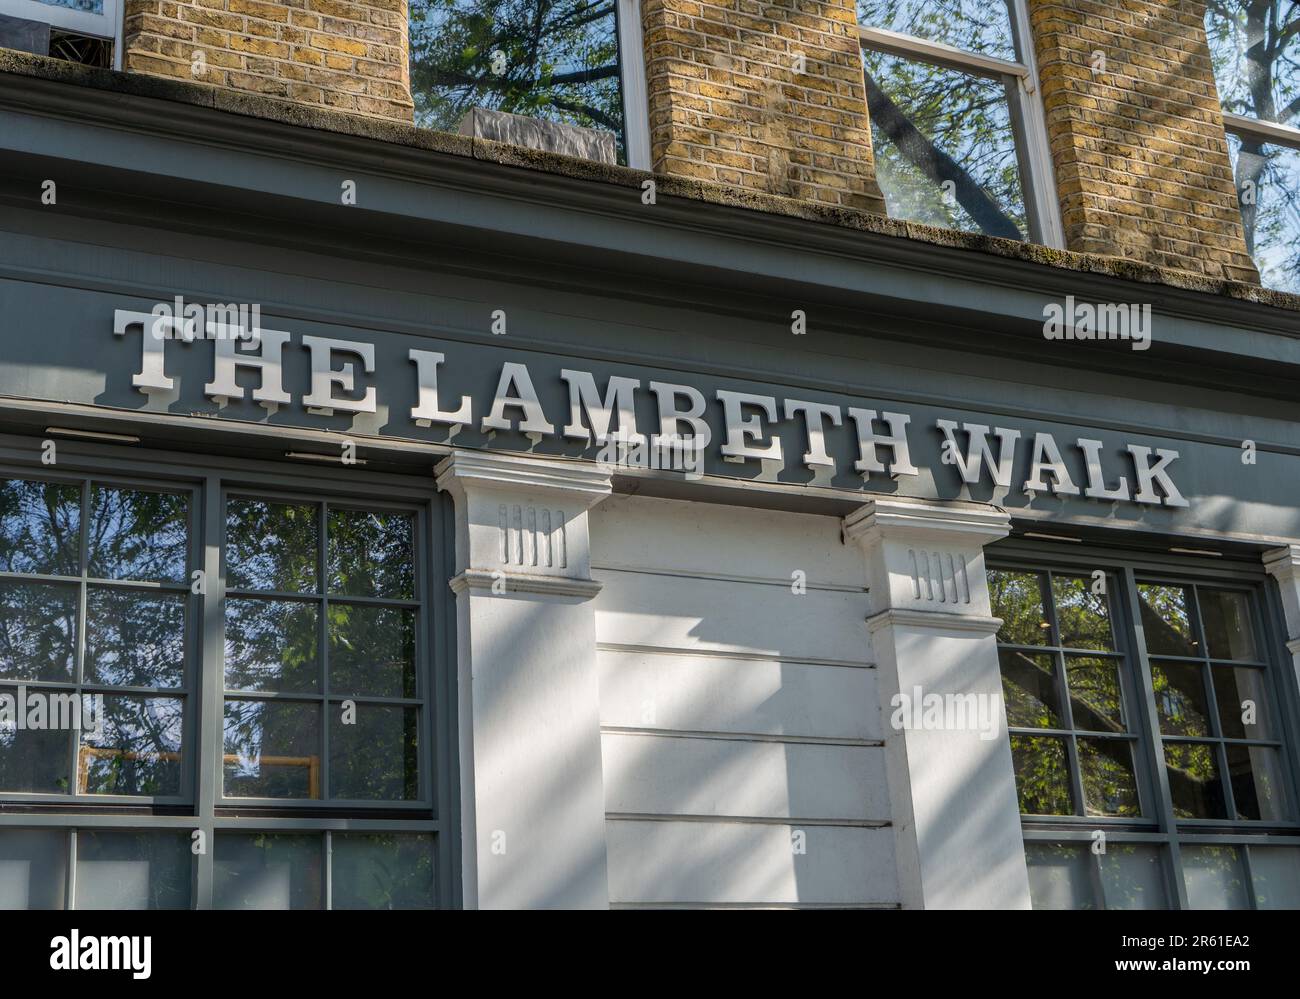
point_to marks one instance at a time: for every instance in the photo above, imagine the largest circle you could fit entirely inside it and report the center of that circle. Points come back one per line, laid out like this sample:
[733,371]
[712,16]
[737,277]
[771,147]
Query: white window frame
[631,66]
[1028,121]
[107,24]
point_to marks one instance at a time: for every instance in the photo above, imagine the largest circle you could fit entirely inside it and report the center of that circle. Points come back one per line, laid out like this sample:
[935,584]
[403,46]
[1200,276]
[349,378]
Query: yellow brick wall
[729,104]
[350,56]
[1137,141]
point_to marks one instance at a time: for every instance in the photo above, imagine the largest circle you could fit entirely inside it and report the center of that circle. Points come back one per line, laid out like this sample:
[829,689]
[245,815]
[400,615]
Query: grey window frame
[1024,100]
[1162,828]
[210,476]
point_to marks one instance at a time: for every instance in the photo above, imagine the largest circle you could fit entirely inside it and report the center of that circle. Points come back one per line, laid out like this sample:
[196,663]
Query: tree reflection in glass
[551,59]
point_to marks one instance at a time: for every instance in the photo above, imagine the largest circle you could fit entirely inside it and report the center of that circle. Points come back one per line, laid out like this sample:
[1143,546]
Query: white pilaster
[952,786]
[1283,564]
[532,795]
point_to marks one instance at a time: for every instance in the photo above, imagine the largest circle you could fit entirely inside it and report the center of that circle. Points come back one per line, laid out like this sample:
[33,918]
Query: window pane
[1258,782]
[40,527]
[135,534]
[1268,187]
[266,871]
[377,757]
[1242,698]
[272,749]
[1276,872]
[271,645]
[382,871]
[1254,50]
[1029,688]
[1095,700]
[551,59]
[1081,615]
[982,26]
[1109,786]
[1042,775]
[944,149]
[1180,698]
[1214,877]
[272,546]
[38,631]
[1194,782]
[33,760]
[372,651]
[33,868]
[1133,876]
[1017,599]
[138,750]
[371,554]
[135,638]
[1166,621]
[1059,876]
[1226,617]
[133,870]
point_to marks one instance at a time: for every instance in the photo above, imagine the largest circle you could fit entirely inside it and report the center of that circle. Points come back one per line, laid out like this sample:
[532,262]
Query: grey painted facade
[156,199]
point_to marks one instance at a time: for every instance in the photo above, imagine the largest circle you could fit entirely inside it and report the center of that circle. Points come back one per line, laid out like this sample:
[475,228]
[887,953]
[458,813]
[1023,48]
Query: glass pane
[1042,775]
[376,756]
[382,871]
[550,59]
[1258,782]
[372,651]
[1081,615]
[135,534]
[1268,187]
[271,645]
[267,871]
[1214,877]
[88,6]
[1029,688]
[1180,698]
[1166,620]
[40,527]
[272,546]
[1059,876]
[1133,876]
[1017,599]
[133,870]
[1095,700]
[371,554]
[38,631]
[1275,869]
[35,760]
[1194,782]
[1109,786]
[1254,49]
[137,750]
[33,868]
[134,638]
[1225,615]
[944,148]
[982,26]
[272,749]
[1242,697]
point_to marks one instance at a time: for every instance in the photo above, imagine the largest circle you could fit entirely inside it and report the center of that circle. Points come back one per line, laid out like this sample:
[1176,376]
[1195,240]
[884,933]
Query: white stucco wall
[740,721]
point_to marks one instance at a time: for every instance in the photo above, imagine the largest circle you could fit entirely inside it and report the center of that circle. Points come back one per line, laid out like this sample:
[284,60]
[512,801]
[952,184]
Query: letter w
[978,454]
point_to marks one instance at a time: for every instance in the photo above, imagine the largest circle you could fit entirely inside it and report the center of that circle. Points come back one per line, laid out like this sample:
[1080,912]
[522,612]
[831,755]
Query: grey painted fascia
[146,143]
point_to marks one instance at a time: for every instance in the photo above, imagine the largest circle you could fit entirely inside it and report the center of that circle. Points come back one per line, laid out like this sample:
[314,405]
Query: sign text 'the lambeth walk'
[745,432]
